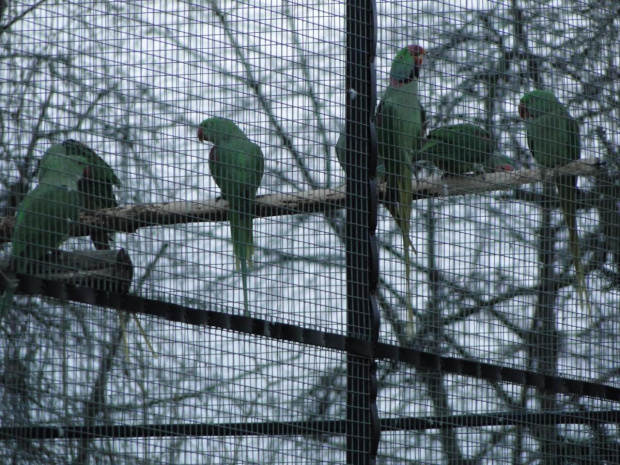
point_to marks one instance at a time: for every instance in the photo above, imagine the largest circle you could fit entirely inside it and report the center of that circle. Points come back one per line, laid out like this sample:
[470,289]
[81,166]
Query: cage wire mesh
[493,282]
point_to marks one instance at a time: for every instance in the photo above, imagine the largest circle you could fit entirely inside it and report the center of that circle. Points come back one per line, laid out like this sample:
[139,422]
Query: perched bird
[400,132]
[96,185]
[401,123]
[553,139]
[459,149]
[237,166]
[44,217]
[72,178]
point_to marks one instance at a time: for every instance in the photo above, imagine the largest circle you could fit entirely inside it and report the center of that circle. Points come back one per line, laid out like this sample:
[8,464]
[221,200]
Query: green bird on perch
[462,148]
[553,138]
[96,186]
[72,178]
[401,121]
[400,132]
[237,166]
[44,218]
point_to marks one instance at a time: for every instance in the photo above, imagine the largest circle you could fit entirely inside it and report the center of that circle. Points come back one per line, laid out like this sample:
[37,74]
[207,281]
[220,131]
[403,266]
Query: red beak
[523,113]
[201,137]
[418,53]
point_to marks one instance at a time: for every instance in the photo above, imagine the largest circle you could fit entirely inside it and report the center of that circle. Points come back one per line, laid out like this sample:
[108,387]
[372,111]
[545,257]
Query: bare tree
[493,279]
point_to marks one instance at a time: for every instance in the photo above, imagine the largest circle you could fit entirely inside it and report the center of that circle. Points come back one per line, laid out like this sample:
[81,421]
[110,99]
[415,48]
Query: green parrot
[401,123]
[237,166]
[408,114]
[400,132]
[459,149]
[553,139]
[72,178]
[44,217]
[96,186]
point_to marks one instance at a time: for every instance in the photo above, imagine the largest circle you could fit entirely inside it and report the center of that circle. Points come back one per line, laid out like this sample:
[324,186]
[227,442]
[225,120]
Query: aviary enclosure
[435,194]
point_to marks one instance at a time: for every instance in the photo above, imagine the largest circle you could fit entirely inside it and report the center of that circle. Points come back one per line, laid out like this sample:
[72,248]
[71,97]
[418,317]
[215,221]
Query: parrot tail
[240,215]
[244,280]
[567,193]
[409,289]
[144,335]
[121,318]
[400,203]
[405,205]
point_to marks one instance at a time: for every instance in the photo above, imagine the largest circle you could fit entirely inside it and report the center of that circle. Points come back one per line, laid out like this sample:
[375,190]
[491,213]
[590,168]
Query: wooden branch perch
[462,185]
[130,218]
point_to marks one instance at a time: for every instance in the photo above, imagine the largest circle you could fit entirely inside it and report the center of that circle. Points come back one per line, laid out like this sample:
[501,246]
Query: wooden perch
[130,218]
[107,270]
[462,185]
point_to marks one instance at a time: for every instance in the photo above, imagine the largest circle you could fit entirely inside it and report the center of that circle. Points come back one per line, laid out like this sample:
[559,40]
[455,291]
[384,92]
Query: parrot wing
[458,149]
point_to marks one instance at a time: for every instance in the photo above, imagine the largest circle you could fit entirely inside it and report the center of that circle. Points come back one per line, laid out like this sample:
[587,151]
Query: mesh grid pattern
[493,282]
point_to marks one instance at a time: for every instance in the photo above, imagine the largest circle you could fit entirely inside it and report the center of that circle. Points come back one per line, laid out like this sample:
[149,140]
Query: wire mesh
[491,348]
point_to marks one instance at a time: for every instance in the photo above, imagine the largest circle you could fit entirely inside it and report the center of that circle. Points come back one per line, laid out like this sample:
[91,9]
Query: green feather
[459,149]
[96,186]
[237,166]
[553,138]
[43,220]
[400,131]
[72,177]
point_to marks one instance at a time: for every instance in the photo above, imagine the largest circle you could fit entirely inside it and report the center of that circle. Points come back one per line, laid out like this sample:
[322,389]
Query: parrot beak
[201,136]
[418,52]
[419,58]
[523,112]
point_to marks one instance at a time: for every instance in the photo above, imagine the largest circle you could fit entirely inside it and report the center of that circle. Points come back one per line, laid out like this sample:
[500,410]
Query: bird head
[406,65]
[536,103]
[75,145]
[217,130]
[418,52]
